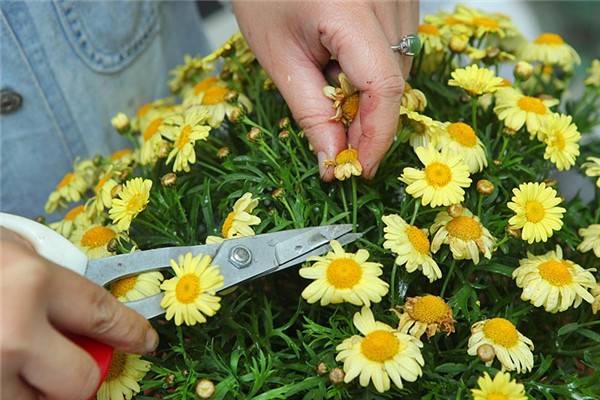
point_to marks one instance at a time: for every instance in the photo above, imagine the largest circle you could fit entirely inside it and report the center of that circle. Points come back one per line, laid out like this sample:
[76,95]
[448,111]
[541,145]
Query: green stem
[354,204]
[415,212]
[289,209]
[479,201]
[448,278]
[474,113]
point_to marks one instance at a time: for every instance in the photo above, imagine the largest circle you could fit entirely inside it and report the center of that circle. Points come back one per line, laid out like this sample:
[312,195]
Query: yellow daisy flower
[592,168]
[151,141]
[591,239]
[465,234]
[431,38]
[150,111]
[425,314]
[516,110]
[238,222]
[460,138]
[69,189]
[536,210]
[562,140]
[551,49]
[442,181]
[103,192]
[346,164]
[122,378]
[593,78]
[192,67]
[411,246]
[500,388]
[345,100]
[381,354]
[184,130]
[596,293]
[475,81]
[121,159]
[93,239]
[343,277]
[449,25]
[512,349]
[243,54]
[485,23]
[137,287]
[75,217]
[553,282]
[191,293]
[421,130]
[413,99]
[133,199]
[209,98]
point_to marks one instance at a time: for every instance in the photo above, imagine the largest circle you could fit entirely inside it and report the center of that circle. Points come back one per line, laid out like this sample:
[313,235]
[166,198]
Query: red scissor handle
[100,352]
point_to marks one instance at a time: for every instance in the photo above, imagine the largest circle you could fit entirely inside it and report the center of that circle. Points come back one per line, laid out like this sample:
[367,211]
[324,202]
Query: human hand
[294,42]
[39,297]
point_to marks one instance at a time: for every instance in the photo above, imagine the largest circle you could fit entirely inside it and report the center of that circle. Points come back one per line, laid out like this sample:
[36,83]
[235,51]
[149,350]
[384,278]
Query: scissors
[239,260]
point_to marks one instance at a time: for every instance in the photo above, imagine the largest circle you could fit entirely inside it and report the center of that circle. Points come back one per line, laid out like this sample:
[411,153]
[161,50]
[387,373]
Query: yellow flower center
[227,224]
[121,153]
[136,203]
[214,95]
[438,174]
[344,273]
[430,309]
[429,29]
[101,183]
[97,236]
[188,288]
[65,181]
[350,106]
[501,332]
[534,211]
[347,156]
[547,70]
[144,109]
[452,21]
[184,137]
[418,239]
[485,22]
[204,85]
[557,273]
[380,346]
[123,286]
[117,366]
[152,128]
[70,216]
[559,141]
[505,83]
[462,134]
[532,104]
[496,396]
[549,38]
[465,228]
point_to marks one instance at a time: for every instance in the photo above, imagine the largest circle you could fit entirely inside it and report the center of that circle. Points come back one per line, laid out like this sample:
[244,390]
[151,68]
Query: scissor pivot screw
[240,256]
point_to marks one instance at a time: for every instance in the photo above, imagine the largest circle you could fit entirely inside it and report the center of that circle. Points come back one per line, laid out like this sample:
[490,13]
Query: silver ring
[410,45]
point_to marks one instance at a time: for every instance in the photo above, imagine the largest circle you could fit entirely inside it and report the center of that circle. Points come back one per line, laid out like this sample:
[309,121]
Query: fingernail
[322,157]
[371,173]
[151,340]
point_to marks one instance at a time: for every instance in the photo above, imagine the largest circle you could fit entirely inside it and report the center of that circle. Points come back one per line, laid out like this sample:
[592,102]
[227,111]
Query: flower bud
[458,43]
[41,219]
[278,193]
[321,368]
[254,134]
[163,150]
[464,98]
[336,376]
[492,52]
[523,70]
[205,389]
[513,232]
[562,198]
[284,135]
[485,187]
[272,211]
[455,210]
[550,182]
[112,245]
[236,114]
[169,179]
[170,379]
[185,372]
[120,122]
[97,160]
[497,161]
[486,352]
[231,96]
[509,131]
[123,175]
[223,152]
[284,123]
[115,190]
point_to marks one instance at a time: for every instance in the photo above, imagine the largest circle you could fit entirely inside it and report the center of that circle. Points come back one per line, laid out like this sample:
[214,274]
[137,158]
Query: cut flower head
[345,100]
[380,354]
[121,380]
[238,222]
[346,164]
[425,314]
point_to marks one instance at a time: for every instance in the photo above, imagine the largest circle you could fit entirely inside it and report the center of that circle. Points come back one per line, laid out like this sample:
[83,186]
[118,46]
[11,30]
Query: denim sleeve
[76,65]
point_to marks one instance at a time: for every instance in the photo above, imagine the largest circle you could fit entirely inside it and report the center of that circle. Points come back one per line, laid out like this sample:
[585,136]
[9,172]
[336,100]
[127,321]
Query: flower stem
[354,204]
[415,212]
[448,278]
[474,112]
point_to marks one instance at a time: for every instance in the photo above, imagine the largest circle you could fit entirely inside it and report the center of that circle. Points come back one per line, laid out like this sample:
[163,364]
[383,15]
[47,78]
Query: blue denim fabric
[76,65]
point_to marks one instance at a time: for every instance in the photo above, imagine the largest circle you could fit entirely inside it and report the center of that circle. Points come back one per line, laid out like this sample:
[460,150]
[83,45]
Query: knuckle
[104,315]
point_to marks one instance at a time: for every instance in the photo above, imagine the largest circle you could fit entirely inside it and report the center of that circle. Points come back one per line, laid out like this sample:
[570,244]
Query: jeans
[75,65]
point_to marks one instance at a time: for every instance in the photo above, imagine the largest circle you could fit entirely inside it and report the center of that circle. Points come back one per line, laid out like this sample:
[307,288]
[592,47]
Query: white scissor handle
[48,243]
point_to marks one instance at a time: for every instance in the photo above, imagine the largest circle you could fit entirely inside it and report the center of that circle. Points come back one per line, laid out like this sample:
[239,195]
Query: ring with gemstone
[410,45]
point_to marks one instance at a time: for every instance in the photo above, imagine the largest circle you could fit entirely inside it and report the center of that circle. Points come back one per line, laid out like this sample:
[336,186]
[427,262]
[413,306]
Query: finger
[14,387]
[60,369]
[372,67]
[80,306]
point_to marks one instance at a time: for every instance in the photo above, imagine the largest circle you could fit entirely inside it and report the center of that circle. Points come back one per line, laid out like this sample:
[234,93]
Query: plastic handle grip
[56,248]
